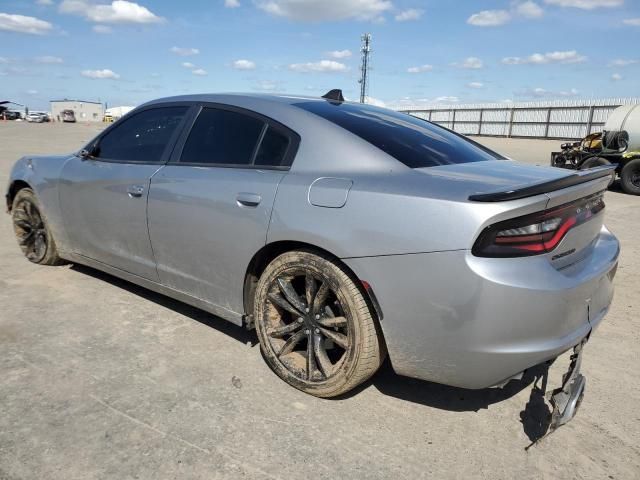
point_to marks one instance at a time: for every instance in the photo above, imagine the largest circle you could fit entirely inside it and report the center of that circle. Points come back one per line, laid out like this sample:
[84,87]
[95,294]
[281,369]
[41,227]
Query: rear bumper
[471,322]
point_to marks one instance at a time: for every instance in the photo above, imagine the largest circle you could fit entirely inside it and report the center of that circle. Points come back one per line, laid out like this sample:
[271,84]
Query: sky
[423,52]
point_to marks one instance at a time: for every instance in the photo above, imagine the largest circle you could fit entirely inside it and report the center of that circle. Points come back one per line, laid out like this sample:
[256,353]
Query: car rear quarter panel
[471,322]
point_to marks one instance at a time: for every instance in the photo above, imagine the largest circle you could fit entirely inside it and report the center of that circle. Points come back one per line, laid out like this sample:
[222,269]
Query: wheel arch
[14,188]
[270,251]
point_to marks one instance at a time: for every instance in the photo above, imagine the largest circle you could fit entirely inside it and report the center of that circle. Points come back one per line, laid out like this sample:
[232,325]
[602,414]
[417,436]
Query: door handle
[135,191]
[248,199]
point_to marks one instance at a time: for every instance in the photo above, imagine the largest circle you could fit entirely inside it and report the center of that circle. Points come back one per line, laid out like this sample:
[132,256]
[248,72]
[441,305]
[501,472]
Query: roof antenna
[334,95]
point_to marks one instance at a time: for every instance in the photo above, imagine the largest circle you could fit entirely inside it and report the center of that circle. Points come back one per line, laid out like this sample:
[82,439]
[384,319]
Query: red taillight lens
[536,233]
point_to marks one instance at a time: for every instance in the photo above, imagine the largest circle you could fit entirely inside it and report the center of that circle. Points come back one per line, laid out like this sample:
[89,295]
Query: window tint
[222,137]
[273,149]
[141,138]
[412,141]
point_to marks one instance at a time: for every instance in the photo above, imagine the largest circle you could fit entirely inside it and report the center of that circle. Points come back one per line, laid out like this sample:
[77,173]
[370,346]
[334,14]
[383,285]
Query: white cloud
[475,85]
[184,52]
[200,72]
[495,18]
[102,29]
[44,2]
[409,15]
[231,3]
[528,9]
[32,92]
[446,99]
[188,65]
[621,62]
[544,93]
[339,54]
[267,86]
[24,24]
[569,56]
[473,63]
[634,22]
[420,69]
[616,76]
[4,60]
[321,66]
[489,18]
[118,11]
[49,59]
[243,65]
[586,4]
[376,102]
[100,74]
[319,10]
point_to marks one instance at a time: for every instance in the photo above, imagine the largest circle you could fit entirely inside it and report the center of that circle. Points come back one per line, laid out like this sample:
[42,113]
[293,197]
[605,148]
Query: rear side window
[410,140]
[222,137]
[273,149]
[142,137]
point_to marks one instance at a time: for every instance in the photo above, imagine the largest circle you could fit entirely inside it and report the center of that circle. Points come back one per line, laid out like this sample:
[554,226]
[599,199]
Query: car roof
[233,98]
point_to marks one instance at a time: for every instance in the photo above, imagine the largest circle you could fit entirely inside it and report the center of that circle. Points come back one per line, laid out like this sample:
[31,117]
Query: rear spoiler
[546,187]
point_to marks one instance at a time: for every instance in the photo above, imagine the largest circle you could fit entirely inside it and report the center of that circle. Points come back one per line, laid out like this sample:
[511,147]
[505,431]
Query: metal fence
[553,120]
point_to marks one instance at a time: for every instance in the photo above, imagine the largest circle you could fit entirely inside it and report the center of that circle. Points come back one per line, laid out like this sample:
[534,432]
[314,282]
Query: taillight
[536,233]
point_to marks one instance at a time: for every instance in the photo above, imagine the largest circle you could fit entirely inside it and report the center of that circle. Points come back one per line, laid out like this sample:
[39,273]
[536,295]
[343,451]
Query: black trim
[546,187]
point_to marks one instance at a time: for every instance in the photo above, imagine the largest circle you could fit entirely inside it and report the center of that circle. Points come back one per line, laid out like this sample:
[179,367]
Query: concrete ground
[101,379]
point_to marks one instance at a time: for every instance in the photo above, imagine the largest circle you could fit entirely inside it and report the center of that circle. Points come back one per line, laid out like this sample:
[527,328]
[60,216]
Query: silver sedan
[340,231]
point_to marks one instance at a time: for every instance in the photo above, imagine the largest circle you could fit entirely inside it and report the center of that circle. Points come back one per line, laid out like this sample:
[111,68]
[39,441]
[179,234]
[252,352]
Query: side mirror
[84,154]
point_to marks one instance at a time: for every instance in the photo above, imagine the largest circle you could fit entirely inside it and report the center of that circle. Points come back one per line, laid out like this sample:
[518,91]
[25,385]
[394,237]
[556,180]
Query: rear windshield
[413,141]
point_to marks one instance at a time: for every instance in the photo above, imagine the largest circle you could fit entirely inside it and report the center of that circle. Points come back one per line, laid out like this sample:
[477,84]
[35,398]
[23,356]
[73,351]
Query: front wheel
[315,328]
[32,232]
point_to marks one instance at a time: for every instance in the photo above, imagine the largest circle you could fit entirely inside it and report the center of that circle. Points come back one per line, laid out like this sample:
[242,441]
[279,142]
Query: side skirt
[233,317]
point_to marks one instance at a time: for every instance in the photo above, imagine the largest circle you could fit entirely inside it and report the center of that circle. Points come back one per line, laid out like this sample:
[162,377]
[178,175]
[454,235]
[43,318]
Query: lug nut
[317,317]
[307,331]
[317,330]
[306,310]
[300,320]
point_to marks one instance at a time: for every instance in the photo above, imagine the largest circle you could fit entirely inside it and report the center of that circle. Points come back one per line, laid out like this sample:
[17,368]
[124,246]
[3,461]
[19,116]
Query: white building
[84,111]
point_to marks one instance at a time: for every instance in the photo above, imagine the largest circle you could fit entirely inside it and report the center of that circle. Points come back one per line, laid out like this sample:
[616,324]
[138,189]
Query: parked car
[340,231]
[68,116]
[11,115]
[38,117]
[618,144]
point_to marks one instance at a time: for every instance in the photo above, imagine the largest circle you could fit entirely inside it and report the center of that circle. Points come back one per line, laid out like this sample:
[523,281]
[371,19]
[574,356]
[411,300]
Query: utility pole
[365,50]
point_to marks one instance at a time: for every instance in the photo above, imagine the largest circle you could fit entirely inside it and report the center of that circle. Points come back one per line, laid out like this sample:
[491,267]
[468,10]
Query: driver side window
[142,137]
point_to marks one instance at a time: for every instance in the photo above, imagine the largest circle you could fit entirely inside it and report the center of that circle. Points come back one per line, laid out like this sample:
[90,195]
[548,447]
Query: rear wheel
[314,325]
[33,234]
[597,162]
[630,177]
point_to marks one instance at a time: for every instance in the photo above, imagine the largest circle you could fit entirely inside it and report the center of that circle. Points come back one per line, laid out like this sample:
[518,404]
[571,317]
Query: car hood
[462,180]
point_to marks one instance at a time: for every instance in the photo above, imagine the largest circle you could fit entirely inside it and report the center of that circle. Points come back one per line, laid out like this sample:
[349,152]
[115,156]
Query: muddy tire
[630,177]
[594,162]
[31,229]
[316,330]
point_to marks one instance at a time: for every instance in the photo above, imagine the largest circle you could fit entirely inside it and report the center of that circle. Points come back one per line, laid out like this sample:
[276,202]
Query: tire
[597,162]
[31,229]
[630,177]
[315,327]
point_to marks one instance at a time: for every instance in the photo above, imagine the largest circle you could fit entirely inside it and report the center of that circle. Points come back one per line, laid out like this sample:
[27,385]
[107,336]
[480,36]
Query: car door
[209,208]
[103,194]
